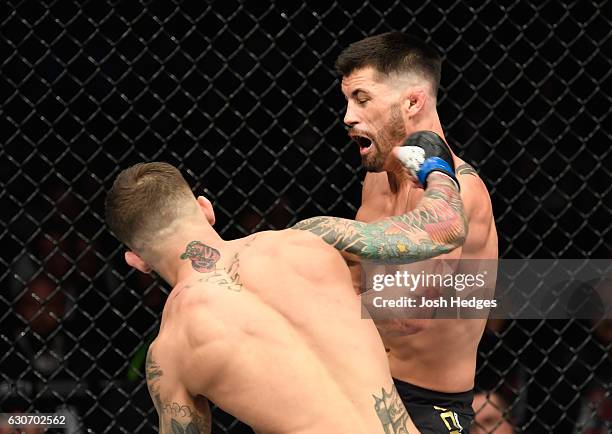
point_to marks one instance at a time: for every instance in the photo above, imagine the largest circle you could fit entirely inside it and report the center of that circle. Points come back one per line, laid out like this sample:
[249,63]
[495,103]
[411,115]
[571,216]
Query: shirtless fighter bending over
[268,326]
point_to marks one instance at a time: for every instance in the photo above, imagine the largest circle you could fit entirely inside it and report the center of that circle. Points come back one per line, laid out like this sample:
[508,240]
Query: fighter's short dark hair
[144,200]
[392,52]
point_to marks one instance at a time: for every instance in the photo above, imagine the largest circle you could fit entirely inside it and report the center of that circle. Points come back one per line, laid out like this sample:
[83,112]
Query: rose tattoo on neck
[203,258]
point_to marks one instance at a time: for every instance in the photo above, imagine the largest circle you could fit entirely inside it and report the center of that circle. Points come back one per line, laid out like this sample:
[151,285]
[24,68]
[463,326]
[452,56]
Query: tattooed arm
[189,416]
[436,226]
[466,169]
[178,418]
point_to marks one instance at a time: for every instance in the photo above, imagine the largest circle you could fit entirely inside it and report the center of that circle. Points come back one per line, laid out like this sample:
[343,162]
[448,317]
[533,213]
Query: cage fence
[242,96]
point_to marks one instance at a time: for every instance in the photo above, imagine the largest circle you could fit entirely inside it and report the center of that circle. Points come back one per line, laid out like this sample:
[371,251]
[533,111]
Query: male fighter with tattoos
[390,82]
[268,327]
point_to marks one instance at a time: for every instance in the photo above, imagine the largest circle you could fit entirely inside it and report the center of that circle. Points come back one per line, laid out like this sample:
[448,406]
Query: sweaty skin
[269,328]
[437,354]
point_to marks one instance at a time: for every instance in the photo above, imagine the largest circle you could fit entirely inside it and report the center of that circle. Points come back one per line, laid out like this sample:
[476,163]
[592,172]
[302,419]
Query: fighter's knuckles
[411,157]
[434,155]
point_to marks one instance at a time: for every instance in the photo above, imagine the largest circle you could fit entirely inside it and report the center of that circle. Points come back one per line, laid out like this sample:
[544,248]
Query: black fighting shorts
[437,412]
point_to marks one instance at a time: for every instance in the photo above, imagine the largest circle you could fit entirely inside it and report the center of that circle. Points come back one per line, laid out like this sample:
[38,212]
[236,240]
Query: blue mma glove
[425,152]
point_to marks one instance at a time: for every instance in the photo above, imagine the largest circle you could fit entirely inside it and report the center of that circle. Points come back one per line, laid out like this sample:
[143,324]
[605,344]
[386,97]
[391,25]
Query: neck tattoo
[203,258]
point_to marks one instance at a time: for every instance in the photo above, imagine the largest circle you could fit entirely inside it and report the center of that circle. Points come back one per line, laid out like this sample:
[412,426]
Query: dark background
[242,96]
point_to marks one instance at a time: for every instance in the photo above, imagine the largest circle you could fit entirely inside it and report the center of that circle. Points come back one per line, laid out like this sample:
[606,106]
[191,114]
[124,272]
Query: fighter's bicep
[177,410]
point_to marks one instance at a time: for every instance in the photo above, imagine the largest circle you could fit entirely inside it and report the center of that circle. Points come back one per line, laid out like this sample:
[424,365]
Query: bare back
[435,354]
[275,337]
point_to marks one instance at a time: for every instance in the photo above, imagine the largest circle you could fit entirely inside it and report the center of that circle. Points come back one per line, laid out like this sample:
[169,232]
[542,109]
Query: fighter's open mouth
[365,143]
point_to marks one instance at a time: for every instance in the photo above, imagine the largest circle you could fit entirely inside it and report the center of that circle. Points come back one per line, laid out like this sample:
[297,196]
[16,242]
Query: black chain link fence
[242,96]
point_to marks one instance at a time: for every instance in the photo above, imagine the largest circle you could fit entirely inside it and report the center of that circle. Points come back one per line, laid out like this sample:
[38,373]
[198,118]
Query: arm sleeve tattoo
[174,417]
[436,226]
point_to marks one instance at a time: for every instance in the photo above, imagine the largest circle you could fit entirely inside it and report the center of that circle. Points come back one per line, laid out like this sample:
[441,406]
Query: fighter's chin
[376,163]
[372,166]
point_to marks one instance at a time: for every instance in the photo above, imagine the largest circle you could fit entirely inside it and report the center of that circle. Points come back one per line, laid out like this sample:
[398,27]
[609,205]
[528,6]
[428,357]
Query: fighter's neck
[429,122]
[399,183]
[396,174]
[220,253]
[187,250]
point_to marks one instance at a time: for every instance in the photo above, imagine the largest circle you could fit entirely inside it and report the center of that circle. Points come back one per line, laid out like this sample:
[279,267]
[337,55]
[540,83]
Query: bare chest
[391,205]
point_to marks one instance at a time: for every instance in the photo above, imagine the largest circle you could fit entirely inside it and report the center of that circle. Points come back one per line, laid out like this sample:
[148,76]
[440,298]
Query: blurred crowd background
[242,96]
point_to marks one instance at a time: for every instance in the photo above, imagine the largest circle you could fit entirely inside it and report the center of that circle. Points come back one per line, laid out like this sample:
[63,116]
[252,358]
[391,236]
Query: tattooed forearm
[391,412]
[466,169]
[436,226]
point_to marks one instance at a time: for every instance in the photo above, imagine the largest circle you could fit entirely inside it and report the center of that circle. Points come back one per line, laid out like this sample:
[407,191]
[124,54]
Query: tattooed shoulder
[466,169]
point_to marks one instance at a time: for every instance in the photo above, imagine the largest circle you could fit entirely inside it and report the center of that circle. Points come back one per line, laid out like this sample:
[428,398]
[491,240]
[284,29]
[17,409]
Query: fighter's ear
[414,99]
[207,209]
[135,261]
